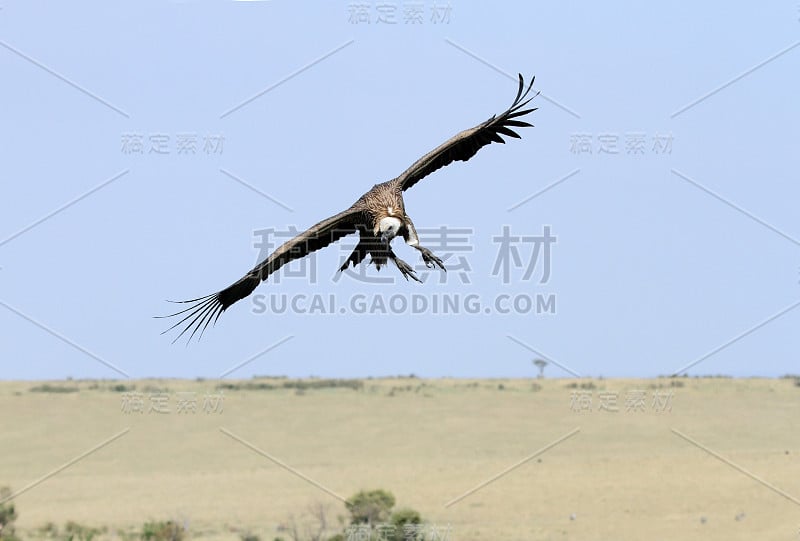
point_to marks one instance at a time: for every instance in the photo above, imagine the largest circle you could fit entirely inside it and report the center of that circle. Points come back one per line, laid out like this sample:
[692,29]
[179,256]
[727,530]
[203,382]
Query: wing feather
[466,144]
[203,311]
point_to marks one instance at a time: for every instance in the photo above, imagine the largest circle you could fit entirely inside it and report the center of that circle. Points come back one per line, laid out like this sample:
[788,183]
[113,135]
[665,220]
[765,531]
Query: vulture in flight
[378,217]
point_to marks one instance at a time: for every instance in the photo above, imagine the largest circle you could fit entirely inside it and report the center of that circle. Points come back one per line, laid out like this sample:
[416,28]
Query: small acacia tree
[540,364]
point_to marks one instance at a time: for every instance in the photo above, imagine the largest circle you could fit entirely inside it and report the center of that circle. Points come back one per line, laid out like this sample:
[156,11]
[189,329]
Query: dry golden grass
[624,476]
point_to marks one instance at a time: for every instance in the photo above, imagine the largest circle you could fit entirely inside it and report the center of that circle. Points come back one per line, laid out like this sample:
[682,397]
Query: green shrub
[8,515]
[49,530]
[298,384]
[78,532]
[48,388]
[371,507]
[162,531]
[583,385]
[400,519]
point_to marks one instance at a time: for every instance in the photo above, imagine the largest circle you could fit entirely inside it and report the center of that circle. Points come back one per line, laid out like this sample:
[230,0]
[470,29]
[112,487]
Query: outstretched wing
[206,309]
[464,145]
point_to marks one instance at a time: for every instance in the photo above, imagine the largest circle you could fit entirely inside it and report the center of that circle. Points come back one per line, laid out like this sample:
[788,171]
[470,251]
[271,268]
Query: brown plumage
[378,216]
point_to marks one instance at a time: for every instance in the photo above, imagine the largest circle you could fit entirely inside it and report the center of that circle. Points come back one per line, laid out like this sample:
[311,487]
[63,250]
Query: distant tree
[540,364]
[373,507]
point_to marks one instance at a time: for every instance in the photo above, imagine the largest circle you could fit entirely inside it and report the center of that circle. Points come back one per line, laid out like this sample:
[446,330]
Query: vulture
[378,217]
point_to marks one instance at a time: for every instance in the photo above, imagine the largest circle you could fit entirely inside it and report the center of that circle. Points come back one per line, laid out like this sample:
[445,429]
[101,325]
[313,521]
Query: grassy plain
[648,473]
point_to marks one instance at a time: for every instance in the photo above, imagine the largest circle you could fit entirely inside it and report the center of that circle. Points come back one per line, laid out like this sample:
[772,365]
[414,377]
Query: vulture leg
[411,238]
[404,267]
[430,259]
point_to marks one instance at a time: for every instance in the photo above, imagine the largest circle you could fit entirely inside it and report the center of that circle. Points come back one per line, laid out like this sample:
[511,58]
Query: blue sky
[663,159]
